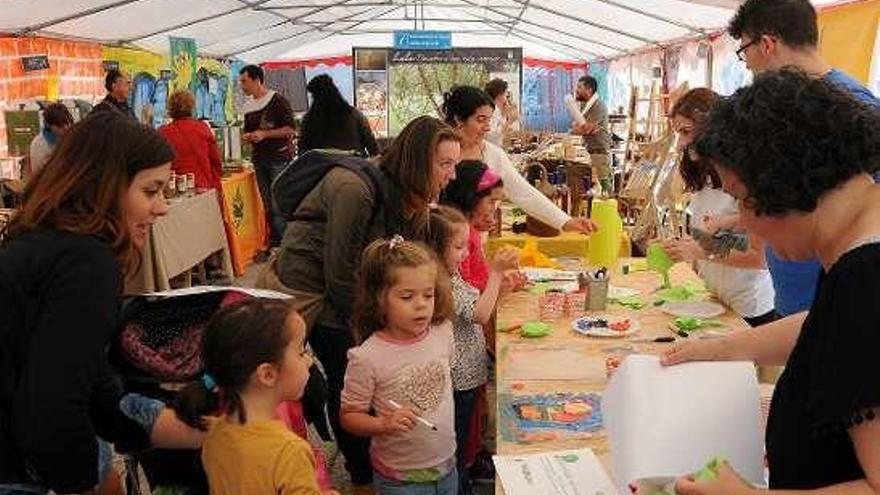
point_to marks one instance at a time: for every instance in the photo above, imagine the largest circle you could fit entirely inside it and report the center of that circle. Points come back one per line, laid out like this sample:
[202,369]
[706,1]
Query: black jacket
[59,302]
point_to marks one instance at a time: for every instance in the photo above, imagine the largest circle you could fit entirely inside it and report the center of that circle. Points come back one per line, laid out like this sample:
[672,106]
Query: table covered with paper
[564,428]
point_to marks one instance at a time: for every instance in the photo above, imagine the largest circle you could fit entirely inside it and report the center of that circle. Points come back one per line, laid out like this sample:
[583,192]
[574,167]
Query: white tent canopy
[260,30]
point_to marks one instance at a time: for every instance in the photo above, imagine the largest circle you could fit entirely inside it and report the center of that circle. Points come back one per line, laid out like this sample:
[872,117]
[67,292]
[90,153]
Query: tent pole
[590,23]
[544,26]
[651,15]
[312,29]
[78,15]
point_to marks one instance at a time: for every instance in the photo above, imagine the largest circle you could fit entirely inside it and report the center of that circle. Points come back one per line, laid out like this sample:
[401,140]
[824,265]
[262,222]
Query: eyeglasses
[740,52]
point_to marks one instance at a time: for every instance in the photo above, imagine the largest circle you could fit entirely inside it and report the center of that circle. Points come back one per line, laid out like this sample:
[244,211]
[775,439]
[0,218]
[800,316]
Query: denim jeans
[331,347]
[266,172]
[447,485]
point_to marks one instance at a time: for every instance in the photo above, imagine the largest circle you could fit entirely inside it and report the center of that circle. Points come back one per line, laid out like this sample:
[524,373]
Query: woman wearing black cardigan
[84,216]
[332,122]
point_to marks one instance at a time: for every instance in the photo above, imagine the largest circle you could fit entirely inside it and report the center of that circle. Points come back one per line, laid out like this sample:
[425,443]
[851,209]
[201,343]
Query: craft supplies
[534,329]
[574,303]
[552,305]
[605,326]
[605,243]
[420,419]
[596,290]
[660,262]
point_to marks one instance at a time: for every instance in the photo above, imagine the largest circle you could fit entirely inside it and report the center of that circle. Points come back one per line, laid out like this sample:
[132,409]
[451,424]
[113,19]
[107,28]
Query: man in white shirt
[594,129]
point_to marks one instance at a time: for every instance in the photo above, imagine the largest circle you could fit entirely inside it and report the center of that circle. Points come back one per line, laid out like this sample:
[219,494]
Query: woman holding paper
[798,154]
[469,110]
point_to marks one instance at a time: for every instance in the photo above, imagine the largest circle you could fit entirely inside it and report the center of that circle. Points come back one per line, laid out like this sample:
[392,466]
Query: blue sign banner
[422,40]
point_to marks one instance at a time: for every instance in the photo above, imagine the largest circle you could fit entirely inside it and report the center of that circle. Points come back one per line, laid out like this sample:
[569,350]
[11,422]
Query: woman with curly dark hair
[797,153]
[739,279]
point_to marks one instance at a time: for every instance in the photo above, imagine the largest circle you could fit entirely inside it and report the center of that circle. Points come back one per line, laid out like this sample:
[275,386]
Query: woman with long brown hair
[739,279]
[83,218]
[321,250]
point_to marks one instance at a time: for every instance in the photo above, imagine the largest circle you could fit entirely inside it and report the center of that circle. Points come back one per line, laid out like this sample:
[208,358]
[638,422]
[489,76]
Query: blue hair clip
[209,383]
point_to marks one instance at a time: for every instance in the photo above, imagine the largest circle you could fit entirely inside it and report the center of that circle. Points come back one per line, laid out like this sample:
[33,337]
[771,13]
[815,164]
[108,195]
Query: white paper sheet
[672,421]
[565,472]
[203,289]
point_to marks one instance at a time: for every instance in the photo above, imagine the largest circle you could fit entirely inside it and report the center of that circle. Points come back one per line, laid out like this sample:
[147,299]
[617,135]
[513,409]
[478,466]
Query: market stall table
[179,241]
[569,363]
[244,218]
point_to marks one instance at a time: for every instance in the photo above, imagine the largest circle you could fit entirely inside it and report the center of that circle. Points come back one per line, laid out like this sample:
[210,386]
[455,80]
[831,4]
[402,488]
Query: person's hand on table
[685,351]
[580,224]
[727,483]
[684,249]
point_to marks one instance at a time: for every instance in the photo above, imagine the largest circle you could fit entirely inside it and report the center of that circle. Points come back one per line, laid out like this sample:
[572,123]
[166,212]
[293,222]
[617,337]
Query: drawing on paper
[537,418]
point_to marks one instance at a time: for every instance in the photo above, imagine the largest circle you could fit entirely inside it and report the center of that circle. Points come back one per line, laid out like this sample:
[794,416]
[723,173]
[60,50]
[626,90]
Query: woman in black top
[84,215]
[797,153]
[332,123]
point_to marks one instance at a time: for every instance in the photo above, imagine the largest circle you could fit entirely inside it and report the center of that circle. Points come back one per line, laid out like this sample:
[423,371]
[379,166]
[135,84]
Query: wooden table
[190,232]
[578,352]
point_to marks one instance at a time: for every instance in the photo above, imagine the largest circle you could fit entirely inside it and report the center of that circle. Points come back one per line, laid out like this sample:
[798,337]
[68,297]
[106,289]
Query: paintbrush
[420,419]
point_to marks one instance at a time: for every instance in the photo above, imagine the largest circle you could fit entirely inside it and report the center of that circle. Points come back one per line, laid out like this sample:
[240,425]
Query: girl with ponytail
[255,358]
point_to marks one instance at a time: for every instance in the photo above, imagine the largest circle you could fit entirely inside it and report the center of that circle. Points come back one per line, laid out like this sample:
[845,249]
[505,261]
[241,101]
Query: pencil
[420,419]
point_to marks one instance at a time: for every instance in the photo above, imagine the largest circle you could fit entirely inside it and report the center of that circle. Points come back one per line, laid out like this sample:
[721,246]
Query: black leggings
[331,347]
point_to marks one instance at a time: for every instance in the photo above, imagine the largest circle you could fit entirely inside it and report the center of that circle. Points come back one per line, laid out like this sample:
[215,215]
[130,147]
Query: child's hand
[505,259]
[513,281]
[401,420]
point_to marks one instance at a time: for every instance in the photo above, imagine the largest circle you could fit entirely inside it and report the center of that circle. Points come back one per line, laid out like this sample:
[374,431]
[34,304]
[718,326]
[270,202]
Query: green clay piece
[659,262]
[539,289]
[690,323]
[535,329]
[684,292]
[710,472]
[631,302]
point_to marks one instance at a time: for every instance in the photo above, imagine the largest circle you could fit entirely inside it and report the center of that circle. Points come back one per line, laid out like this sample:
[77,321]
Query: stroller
[157,353]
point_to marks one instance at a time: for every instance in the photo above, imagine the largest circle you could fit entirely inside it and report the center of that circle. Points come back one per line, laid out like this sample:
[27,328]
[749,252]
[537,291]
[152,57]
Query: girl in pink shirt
[398,387]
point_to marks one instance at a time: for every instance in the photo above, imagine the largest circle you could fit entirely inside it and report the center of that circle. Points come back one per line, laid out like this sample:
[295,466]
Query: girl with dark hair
[446,231]
[739,279]
[322,247]
[469,110]
[401,370]
[332,123]
[797,153]
[475,191]
[255,358]
[83,219]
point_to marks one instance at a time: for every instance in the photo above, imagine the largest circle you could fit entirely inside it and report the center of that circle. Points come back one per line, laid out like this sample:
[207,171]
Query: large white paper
[565,472]
[664,422]
[204,289]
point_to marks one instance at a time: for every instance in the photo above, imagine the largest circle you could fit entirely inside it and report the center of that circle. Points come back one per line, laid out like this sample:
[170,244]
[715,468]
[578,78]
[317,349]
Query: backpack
[299,178]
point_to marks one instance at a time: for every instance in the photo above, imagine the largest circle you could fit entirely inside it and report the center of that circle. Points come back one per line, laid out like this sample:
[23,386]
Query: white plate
[697,309]
[578,327]
[616,292]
